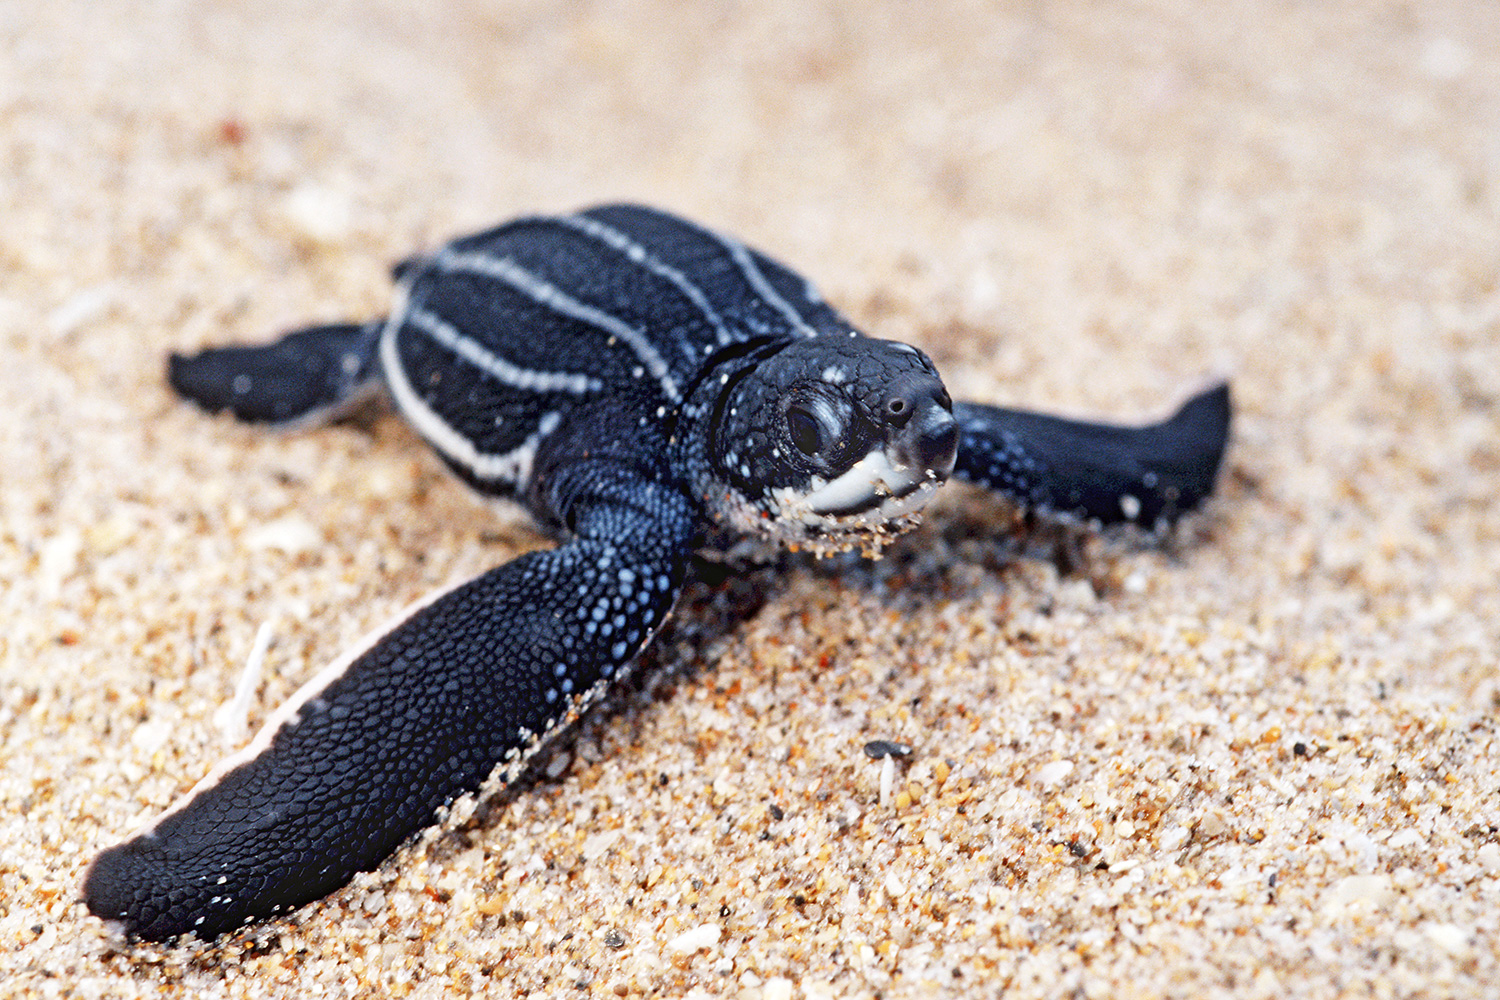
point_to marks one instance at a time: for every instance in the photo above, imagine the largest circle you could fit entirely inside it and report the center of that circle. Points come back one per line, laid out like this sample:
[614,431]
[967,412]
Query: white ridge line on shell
[525,379]
[740,254]
[637,253]
[548,295]
[513,466]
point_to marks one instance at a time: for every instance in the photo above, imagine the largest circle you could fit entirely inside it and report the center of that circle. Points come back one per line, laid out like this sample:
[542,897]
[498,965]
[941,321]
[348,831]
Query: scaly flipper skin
[1147,476]
[309,375]
[473,678]
[644,386]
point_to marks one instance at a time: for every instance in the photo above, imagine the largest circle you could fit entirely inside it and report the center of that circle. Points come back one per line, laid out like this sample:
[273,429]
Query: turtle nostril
[937,444]
[898,410]
[911,394]
[929,441]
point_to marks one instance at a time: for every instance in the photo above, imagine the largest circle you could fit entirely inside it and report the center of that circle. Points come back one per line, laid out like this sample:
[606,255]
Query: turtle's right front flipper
[1102,472]
[306,376]
[370,750]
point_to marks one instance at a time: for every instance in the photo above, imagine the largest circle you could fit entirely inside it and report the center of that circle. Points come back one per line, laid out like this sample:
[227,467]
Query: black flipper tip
[1187,449]
[112,890]
[305,376]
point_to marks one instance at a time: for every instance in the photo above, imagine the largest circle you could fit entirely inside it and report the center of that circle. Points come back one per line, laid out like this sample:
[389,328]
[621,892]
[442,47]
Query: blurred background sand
[1260,761]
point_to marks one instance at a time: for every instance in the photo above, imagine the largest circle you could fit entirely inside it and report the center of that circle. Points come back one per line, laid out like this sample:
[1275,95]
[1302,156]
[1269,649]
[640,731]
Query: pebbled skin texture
[302,377]
[1146,475]
[644,386]
[418,720]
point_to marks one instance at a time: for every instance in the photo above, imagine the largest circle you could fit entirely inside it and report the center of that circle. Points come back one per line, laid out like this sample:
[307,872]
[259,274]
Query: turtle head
[834,442]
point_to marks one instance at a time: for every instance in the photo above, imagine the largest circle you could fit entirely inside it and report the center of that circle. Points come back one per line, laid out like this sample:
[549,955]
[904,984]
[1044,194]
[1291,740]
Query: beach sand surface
[1258,760]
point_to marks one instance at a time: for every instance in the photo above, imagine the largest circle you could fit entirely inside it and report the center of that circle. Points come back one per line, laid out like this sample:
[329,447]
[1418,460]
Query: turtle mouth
[873,483]
[884,508]
[897,478]
[867,507]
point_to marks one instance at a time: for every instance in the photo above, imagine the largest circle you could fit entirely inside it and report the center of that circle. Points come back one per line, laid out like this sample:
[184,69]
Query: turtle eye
[805,429]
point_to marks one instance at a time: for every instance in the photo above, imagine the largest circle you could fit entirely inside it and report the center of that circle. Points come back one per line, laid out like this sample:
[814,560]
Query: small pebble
[778,988]
[876,749]
[1450,938]
[1052,773]
[700,937]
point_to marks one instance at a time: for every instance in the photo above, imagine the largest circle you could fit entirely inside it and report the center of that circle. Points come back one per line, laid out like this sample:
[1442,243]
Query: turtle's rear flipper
[305,377]
[1101,472]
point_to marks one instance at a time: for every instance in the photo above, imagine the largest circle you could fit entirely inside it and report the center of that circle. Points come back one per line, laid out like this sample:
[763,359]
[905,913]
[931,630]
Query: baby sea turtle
[646,387]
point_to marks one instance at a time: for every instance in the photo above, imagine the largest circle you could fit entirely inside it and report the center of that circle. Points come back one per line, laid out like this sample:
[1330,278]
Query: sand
[1258,761]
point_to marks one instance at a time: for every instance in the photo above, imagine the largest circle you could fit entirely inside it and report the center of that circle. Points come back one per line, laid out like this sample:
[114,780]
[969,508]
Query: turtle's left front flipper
[371,749]
[1102,472]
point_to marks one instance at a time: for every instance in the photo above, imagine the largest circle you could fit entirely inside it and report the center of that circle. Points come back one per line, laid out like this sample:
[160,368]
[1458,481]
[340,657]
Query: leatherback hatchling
[646,387]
